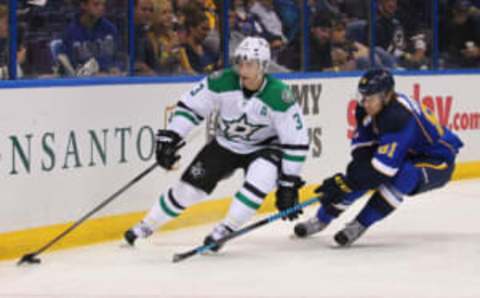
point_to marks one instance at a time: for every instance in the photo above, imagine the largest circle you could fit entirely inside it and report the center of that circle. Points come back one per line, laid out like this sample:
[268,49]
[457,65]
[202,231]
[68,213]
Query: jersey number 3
[298,120]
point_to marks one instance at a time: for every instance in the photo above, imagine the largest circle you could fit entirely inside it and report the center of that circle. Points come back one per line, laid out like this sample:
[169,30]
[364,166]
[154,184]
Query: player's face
[373,104]
[165,15]
[250,74]
[200,32]
[95,8]
[144,12]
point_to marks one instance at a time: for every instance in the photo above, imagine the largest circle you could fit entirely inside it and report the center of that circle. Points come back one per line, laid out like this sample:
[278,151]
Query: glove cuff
[290,181]
[167,135]
[342,183]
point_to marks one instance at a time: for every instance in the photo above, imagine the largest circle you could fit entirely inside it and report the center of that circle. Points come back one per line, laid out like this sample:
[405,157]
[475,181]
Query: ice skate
[350,233]
[141,230]
[218,232]
[309,227]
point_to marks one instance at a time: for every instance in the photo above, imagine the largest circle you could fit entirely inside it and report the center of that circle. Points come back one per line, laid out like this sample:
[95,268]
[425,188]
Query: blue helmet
[376,80]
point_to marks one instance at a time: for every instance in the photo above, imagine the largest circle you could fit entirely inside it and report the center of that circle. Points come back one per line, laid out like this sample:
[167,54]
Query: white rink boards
[429,248]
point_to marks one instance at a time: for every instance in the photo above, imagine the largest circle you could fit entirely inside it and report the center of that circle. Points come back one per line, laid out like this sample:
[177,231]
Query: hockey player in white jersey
[260,130]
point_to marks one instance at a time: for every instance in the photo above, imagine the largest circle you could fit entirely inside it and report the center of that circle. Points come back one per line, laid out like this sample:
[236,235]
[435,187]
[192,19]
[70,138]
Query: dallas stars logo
[240,128]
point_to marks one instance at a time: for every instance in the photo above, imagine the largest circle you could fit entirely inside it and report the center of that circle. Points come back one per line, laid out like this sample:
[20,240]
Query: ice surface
[429,248]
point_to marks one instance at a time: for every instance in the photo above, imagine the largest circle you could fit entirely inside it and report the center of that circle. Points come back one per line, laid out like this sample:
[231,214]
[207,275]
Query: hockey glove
[287,194]
[168,143]
[333,190]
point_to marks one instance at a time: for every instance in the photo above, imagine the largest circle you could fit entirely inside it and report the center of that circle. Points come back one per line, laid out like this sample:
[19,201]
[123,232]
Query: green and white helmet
[253,49]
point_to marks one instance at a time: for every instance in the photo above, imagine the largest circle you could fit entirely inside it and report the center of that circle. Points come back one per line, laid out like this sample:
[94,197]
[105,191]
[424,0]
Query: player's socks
[163,210]
[244,206]
[377,208]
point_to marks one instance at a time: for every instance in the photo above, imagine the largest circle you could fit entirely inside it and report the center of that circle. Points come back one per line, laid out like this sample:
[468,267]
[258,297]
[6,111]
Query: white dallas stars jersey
[269,118]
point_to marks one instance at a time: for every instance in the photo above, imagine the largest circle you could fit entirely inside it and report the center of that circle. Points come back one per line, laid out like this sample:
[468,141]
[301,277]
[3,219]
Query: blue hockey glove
[287,194]
[168,143]
[333,190]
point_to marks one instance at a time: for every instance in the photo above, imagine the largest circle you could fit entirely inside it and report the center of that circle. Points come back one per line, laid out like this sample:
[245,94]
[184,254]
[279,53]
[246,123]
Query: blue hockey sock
[375,210]
[328,213]
[324,216]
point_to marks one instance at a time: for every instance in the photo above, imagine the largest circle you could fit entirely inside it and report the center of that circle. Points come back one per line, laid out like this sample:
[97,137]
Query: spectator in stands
[195,57]
[325,7]
[331,51]
[167,42]
[357,9]
[243,24]
[242,21]
[415,56]
[271,25]
[183,9]
[414,15]
[21,50]
[289,13]
[462,37]
[212,41]
[145,52]
[90,42]
[389,31]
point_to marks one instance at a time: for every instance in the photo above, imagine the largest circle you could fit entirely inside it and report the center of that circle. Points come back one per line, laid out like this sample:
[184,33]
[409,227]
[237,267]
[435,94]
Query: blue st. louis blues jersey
[404,130]
[100,42]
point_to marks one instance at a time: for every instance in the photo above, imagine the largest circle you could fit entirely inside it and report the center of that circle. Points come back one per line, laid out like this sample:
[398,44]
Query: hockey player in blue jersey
[399,149]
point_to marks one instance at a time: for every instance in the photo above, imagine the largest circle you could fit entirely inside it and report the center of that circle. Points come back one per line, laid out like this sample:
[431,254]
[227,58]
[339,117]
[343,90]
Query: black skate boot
[309,227]
[141,230]
[218,232]
[350,233]
[130,237]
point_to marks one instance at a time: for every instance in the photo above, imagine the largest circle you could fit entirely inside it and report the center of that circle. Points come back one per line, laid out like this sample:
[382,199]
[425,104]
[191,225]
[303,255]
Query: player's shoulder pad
[393,118]
[223,81]
[277,95]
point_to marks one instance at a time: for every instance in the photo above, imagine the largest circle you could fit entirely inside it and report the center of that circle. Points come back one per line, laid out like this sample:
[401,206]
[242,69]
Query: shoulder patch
[393,118]
[223,81]
[277,95]
[216,75]
[287,96]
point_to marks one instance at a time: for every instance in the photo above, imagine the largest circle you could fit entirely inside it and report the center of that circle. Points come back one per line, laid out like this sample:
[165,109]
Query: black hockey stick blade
[31,258]
[206,247]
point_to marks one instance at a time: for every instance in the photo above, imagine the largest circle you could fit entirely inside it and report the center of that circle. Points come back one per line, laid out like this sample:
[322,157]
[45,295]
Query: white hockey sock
[171,204]
[260,179]
[244,206]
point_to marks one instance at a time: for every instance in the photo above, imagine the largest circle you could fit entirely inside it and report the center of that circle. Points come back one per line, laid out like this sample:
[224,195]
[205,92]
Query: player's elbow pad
[361,175]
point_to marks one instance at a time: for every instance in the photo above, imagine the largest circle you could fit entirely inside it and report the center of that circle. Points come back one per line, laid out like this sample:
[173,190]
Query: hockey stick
[206,247]
[32,258]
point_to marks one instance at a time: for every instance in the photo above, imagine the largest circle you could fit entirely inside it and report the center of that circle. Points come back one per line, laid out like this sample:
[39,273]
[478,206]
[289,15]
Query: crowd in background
[72,38]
